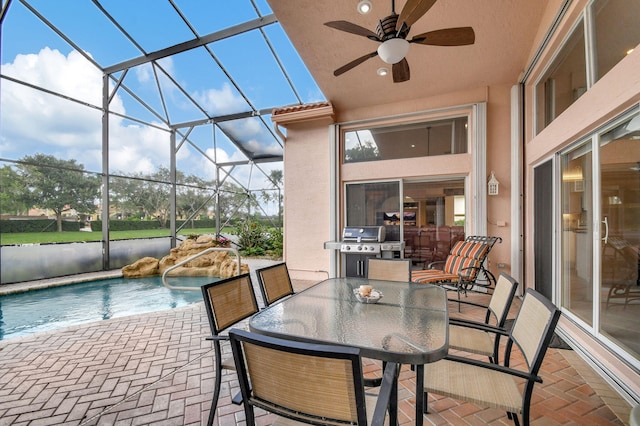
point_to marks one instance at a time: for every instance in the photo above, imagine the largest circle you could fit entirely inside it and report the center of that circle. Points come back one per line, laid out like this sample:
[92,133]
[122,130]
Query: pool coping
[57,281]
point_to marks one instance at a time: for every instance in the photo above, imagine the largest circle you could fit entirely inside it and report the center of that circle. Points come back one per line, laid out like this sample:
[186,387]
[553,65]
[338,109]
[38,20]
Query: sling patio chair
[274,282]
[463,334]
[490,385]
[308,383]
[227,302]
[464,267]
[389,269]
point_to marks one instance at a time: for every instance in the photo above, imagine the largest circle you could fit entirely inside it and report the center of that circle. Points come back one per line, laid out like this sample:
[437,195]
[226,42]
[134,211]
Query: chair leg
[218,384]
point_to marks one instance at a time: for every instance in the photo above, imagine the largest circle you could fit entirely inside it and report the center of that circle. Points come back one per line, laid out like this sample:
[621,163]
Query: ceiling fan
[392,33]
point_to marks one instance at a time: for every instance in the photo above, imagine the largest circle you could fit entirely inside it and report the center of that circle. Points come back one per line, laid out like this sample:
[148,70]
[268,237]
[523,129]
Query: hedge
[49,225]
[37,225]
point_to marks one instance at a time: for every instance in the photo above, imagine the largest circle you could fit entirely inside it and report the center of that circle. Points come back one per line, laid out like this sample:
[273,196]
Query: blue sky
[34,121]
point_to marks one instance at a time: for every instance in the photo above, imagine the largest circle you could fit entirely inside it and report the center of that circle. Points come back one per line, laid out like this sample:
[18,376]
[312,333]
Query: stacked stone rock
[214,264]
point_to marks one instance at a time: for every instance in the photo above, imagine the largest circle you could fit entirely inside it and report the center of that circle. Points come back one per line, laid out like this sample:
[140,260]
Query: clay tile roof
[303,112]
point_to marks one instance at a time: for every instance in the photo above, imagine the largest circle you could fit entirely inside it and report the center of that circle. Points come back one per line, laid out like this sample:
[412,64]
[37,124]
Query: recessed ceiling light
[383,71]
[364,7]
[629,51]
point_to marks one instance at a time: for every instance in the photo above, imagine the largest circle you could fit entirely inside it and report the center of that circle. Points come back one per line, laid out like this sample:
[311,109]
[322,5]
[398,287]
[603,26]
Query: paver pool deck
[157,369]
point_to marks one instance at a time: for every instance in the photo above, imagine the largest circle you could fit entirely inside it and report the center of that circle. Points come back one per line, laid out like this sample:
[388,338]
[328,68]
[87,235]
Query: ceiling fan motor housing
[386,28]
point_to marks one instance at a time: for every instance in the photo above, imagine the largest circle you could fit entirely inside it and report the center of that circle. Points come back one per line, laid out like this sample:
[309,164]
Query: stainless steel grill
[360,242]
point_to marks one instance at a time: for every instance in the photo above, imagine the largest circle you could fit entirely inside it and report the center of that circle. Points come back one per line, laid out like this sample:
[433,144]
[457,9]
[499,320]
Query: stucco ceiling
[505,32]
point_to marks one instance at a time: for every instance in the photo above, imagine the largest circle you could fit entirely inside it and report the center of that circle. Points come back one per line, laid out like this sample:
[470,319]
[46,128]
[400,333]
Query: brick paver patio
[157,369]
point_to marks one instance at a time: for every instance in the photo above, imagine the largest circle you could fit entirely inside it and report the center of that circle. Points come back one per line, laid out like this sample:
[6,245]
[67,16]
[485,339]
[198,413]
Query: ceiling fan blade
[354,63]
[353,29]
[448,37]
[412,11]
[400,71]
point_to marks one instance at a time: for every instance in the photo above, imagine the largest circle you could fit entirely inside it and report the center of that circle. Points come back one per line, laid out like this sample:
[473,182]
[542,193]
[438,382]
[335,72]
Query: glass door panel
[577,233]
[620,246]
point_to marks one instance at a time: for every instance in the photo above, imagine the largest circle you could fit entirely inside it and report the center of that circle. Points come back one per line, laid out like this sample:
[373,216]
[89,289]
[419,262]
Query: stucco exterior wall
[307,199]
[308,182]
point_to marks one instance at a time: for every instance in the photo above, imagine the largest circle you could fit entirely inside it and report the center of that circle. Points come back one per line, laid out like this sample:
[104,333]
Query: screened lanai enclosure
[152,117]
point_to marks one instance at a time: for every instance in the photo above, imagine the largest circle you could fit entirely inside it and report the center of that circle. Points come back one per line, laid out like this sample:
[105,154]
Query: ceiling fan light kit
[393,50]
[392,32]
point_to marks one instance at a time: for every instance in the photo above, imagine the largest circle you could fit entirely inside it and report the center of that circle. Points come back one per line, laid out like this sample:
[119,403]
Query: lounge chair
[464,268]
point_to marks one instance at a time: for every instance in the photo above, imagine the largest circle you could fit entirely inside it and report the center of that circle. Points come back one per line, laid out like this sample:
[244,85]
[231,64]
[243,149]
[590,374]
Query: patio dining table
[408,325]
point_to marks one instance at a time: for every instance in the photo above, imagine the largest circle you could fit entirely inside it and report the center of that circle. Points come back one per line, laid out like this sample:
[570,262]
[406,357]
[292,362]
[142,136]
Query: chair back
[465,258]
[533,329]
[389,269]
[310,383]
[229,301]
[274,282]
[501,299]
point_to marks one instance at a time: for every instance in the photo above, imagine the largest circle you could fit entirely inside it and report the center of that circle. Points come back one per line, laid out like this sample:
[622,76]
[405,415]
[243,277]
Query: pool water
[52,308]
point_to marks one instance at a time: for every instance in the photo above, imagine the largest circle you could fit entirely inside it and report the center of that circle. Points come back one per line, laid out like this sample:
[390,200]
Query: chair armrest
[458,322]
[386,392]
[495,367]
[432,264]
[218,338]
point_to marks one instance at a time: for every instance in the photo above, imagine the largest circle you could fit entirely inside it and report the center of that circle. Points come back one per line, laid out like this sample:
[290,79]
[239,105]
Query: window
[564,82]
[423,139]
[616,32]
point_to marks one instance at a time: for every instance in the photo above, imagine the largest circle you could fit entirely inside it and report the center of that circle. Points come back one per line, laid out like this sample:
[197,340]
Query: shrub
[255,239]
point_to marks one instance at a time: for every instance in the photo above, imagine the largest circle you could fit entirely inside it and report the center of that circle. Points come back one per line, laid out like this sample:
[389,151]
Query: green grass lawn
[72,237]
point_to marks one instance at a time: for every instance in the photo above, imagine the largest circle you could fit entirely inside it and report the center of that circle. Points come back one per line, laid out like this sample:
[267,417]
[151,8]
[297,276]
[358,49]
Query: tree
[362,152]
[58,185]
[276,178]
[12,192]
[192,195]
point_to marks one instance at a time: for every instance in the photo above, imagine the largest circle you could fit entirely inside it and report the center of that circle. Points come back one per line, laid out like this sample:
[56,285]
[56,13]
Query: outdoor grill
[360,242]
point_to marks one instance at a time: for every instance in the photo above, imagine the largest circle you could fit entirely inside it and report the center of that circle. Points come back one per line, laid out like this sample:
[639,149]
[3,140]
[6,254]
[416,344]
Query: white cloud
[33,121]
[220,102]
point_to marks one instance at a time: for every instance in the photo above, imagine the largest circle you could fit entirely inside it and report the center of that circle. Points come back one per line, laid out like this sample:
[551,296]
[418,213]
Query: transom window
[422,139]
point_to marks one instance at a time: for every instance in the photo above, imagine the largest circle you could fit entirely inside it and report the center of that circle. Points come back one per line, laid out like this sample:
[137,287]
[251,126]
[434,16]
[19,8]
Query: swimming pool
[52,308]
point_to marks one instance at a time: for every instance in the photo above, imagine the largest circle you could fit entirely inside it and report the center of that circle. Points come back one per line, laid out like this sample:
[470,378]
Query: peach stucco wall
[307,172]
[307,199]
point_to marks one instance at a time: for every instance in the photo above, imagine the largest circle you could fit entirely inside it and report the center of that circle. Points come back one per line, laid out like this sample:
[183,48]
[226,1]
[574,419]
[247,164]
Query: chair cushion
[480,386]
[432,276]
[470,249]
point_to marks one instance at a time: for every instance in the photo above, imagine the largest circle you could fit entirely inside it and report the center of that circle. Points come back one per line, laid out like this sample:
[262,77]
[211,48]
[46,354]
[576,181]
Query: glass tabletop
[407,325]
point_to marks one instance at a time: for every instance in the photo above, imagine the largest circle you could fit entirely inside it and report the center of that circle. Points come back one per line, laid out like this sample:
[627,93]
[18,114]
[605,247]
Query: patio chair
[309,383]
[227,302]
[389,269]
[274,282]
[500,386]
[464,267]
[469,336]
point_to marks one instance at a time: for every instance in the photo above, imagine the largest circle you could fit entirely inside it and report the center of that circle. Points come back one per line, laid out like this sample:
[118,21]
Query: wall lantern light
[493,184]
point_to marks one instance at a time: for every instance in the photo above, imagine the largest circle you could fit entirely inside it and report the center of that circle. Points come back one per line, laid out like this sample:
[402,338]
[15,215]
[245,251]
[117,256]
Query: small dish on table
[366,294]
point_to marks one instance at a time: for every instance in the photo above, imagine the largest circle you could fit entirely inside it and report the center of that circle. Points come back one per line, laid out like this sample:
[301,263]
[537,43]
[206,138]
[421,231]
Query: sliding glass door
[620,236]
[600,238]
